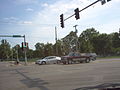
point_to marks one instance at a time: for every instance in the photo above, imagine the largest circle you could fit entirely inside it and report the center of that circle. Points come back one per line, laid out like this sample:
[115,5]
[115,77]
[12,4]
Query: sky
[37,19]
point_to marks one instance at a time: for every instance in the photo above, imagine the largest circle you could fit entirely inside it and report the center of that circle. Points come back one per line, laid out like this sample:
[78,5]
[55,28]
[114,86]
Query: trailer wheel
[64,62]
[87,60]
[70,61]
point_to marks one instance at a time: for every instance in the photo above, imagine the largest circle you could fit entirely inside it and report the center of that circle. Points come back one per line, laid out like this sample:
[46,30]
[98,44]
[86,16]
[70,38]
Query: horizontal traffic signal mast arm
[83,9]
[77,11]
[11,36]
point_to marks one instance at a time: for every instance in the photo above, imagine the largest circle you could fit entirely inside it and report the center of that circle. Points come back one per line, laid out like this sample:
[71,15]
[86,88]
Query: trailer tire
[87,60]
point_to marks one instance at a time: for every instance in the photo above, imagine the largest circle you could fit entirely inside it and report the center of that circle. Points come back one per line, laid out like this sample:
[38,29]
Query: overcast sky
[37,18]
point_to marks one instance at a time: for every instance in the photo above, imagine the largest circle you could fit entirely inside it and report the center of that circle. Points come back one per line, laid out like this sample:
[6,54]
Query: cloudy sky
[37,18]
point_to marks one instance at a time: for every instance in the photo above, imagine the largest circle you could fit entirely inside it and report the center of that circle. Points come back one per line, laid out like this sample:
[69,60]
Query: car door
[51,59]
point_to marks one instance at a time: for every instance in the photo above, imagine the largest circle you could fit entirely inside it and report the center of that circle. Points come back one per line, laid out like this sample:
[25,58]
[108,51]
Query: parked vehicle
[49,60]
[75,57]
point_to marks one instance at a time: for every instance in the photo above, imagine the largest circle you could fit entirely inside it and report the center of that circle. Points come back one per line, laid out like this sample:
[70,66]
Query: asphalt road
[86,76]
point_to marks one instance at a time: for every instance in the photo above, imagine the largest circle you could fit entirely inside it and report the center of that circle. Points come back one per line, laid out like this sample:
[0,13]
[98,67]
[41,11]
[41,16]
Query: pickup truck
[75,57]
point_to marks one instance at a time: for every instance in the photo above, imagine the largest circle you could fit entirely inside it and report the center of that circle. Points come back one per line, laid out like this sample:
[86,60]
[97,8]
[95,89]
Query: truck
[75,57]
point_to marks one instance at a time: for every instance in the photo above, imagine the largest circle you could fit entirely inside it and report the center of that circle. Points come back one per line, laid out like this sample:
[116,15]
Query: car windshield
[50,57]
[71,54]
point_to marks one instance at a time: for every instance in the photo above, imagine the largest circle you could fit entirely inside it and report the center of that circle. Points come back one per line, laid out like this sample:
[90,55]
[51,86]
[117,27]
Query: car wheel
[87,60]
[58,61]
[43,62]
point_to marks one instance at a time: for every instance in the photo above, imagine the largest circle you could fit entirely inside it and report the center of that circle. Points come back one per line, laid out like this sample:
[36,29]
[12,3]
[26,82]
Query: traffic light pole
[25,51]
[16,36]
[17,55]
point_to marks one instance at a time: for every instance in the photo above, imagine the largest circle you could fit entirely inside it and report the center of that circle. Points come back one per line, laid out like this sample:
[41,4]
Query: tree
[48,49]
[115,40]
[85,40]
[115,43]
[58,48]
[30,53]
[102,44]
[5,51]
[70,42]
[39,51]
[15,51]
[88,34]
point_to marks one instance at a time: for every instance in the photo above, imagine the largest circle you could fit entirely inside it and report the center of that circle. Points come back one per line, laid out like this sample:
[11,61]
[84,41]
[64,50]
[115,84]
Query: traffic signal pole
[16,36]
[25,51]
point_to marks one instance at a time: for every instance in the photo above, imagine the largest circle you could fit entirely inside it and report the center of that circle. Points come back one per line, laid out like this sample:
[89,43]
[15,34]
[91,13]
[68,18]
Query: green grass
[29,60]
[108,57]
[32,60]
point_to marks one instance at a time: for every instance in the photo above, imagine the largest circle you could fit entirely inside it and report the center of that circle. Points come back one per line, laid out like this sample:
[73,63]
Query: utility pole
[76,31]
[75,28]
[56,40]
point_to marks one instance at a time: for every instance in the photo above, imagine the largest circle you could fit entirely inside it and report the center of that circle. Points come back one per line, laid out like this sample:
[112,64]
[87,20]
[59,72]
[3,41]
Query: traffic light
[77,16]
[103,2]
[26,44]
[62,20]
[22,45]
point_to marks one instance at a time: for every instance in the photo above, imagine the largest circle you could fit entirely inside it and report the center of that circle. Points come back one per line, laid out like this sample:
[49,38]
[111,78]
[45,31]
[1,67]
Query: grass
[108,57]
[32,60]
[28,60]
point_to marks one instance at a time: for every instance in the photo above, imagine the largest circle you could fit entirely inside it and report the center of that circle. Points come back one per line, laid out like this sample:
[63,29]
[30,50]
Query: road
[88,76]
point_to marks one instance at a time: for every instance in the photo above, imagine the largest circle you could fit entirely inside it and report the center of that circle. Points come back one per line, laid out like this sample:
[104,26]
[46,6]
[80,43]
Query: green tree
[29,53]
[39,51]
[115,43]
[5,51]
[115,40]
[102,44]
[58,48]
[85,40]
[48,49]
[70,42]
[15,51]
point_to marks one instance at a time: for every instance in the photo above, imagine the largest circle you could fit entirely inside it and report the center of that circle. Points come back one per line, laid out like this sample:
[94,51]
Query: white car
[49,60]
